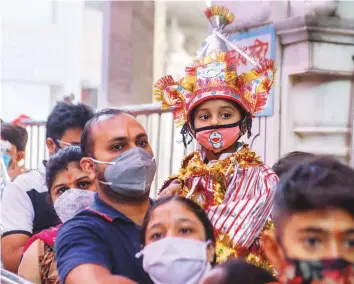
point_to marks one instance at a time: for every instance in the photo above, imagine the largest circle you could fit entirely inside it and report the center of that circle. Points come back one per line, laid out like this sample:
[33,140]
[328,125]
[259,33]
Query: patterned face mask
[220,137]
[72,202]
[323,271]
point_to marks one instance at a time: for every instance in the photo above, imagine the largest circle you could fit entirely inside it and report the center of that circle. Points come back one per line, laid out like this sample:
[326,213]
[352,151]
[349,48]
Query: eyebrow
[117,139]
[312,230]
[141,135]
[206,109]
[81,178]
[124,138]
[180,220]
[232,107]
[60,185]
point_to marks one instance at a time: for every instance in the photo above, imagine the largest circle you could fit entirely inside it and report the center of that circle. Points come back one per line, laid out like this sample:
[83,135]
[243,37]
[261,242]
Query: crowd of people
[86,215]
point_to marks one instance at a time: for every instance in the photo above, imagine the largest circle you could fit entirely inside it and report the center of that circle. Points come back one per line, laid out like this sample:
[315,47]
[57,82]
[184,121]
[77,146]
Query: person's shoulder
[33,179]
[85,220]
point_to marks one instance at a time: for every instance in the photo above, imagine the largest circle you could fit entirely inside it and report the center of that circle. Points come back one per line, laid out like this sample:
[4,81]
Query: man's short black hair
[289,160]
[318,184]
[16,135]
[66,116]
[86,141]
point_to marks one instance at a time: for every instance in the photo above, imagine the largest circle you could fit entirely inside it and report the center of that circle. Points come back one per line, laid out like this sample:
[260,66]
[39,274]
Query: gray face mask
[130,174]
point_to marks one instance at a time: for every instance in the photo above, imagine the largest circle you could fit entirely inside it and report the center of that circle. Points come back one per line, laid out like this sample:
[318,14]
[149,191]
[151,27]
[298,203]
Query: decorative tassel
[256,84]
[217,10]
[160,88]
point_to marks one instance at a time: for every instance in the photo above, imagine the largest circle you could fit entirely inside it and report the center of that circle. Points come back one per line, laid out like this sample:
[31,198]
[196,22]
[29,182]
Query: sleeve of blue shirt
[76,244]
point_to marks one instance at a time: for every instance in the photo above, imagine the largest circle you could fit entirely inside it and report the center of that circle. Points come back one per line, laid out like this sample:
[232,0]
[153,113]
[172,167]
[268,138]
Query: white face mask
[176,260]
[72,202]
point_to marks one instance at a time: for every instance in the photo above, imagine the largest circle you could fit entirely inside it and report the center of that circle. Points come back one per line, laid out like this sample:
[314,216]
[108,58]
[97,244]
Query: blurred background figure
[289,160]
[238,271]
[13,144]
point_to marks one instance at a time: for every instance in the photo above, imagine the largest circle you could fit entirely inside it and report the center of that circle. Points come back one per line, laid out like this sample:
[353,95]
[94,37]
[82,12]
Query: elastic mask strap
[105,163]
[104,182]
[102,162]
[214,127]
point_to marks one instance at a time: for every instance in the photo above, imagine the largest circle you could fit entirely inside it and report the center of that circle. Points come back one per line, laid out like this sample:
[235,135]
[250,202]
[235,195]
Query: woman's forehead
[72,172]
[172,211]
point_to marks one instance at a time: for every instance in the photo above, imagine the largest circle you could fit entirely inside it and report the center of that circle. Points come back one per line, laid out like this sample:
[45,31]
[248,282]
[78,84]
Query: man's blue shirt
[100,235]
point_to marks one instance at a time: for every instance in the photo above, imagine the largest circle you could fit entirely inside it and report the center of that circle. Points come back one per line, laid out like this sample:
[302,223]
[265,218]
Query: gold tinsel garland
[255,256]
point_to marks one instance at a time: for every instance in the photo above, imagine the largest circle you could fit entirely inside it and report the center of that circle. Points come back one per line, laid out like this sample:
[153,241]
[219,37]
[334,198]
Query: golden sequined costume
[236,190]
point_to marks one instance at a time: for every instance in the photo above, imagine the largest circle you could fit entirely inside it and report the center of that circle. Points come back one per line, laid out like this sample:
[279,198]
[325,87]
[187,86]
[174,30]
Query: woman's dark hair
[60,160]
[289,160]
[16,135]
[243,272]
[192,206]
[187,136]
[318,184]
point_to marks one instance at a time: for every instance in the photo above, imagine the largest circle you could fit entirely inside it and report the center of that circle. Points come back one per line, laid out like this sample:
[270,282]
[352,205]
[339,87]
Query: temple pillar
[128,48]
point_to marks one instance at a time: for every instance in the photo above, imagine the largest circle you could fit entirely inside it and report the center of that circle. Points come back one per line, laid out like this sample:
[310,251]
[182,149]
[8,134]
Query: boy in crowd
[13,145]
[25,209]
[313,214]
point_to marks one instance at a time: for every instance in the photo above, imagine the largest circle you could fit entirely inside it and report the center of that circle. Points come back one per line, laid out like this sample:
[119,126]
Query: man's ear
[20,156]
[51,146]
[272,250]
[88,166]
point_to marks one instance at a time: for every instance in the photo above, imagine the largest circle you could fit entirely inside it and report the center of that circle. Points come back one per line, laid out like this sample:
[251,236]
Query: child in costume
[216,106]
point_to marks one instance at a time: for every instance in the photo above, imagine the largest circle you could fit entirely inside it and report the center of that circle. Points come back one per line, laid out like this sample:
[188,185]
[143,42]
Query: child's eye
[312,242]
[204,117]
[226,115]
[349,243]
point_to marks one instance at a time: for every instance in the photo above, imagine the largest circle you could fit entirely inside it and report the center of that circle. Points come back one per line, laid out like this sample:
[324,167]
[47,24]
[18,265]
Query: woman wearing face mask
[178,242]
[71,191]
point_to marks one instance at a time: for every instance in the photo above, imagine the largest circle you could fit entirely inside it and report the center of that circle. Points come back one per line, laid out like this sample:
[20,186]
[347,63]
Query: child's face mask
[218,137]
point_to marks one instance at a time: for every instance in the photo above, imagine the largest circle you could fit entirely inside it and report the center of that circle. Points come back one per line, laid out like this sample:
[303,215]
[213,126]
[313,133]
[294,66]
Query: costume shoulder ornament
[214,75]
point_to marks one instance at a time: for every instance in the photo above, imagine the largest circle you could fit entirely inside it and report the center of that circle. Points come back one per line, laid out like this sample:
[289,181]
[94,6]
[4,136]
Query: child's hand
[172,190]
